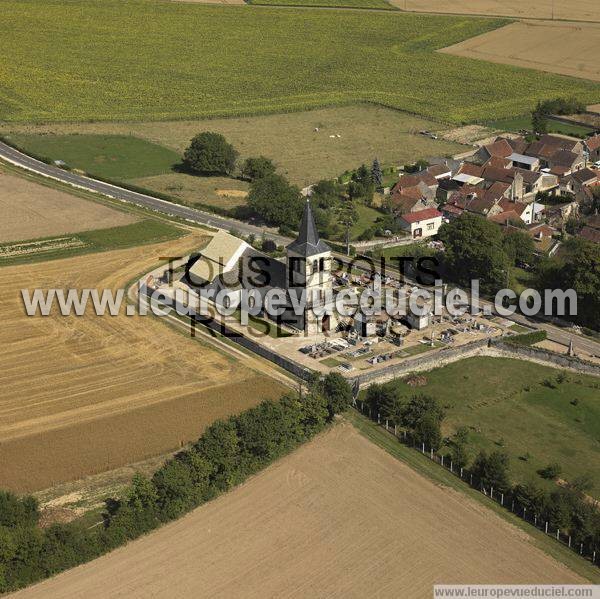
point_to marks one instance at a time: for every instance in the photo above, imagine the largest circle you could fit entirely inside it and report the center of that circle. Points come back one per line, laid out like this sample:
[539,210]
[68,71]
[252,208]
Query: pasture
[29,210]
[532,44]
[105,156]
[146,60]
[520,408]
[339,517]
[83,395]
[564,10]
[304,145]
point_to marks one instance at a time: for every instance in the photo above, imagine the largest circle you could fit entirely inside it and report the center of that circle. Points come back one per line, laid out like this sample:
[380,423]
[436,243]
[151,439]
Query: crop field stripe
[110,60]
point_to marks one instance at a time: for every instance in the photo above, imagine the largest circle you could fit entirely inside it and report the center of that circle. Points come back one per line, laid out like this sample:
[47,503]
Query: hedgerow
[527,338]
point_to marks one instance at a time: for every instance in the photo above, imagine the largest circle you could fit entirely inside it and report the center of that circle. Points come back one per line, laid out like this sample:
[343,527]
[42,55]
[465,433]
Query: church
[228,266]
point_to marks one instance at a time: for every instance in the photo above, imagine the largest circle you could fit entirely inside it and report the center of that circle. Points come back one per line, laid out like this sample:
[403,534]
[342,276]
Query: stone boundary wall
[483,347]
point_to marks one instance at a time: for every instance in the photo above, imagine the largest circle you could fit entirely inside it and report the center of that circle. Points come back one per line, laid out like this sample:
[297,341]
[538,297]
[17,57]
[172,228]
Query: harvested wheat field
[338,518]
[566,10]
[533,44]
[82,395]
[29,210]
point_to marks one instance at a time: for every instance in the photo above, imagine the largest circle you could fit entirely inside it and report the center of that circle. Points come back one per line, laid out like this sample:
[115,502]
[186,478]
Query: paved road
[169,208]
[204,218]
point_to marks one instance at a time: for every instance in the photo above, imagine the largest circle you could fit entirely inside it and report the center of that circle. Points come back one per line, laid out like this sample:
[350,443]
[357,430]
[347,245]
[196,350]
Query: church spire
[308,242]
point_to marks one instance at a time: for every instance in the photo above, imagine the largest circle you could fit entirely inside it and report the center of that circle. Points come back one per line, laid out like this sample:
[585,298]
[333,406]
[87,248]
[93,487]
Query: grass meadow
[520,408]
[107,156]
[81,60]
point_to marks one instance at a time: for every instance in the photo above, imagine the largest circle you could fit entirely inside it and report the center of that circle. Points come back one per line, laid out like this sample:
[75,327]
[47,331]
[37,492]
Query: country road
[17,158]
[8,153]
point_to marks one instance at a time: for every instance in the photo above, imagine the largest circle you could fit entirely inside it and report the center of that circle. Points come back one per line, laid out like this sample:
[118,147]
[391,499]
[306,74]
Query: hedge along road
[17,158]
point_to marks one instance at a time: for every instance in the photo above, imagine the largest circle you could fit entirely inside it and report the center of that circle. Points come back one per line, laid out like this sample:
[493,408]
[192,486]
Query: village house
[592,146]
[575,183]
[591,230]
[423,223]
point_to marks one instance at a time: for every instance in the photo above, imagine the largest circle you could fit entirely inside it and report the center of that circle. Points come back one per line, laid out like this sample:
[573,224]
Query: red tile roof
[593,143]
[415,217]
[469,168]
[498,162]
[500,148]
[509,216]
[590,234]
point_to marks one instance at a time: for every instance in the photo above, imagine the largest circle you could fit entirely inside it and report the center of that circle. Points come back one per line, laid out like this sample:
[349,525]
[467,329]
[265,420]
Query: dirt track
[533,44]
[338,518]
[569,10]
[83,395]
[29,210]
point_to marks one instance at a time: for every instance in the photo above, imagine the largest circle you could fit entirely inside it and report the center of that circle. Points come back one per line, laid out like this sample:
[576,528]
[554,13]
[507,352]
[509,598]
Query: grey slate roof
[308,243]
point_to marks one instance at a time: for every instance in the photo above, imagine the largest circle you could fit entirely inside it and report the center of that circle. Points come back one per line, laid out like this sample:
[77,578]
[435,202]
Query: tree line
[225,455]
[567,508]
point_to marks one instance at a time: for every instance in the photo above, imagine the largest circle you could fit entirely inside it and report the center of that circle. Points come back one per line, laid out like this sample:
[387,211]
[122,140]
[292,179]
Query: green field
[107,156]
[524,123]
[76,60]
[141,233]
[380,4]
[508,406]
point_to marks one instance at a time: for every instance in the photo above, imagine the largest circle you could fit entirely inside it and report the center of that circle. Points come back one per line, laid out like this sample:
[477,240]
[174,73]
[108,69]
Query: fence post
[442,460]
[594,557]
[378,418]
[451,466]
[535,519]
[581,549]
[395,430]
[569,540]
[431,453]
[512,507]
[524,513]
[557,534]
[461,471]
[492,492]
[423,448]
[471,479]
[546,527]
[501,498]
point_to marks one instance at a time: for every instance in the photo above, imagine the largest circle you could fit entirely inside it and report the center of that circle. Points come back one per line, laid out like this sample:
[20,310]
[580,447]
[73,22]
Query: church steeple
[308,242]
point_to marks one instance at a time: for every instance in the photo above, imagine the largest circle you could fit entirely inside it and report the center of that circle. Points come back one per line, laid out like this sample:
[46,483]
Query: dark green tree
[519,247]
[376,173]
[427,430]
[419,406]
[337,392]
[492,470]
[459,446]
[276,201]
[219,446]
[474,250]
[257,168]
[210,154]
[539,119]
